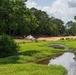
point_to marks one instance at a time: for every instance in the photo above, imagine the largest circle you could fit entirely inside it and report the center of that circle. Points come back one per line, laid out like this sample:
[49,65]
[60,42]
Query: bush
[8,47]
[36,40]
[67,38]
[62,39]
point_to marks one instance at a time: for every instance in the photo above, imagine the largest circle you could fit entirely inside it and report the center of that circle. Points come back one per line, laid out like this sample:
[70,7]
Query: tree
[60,26]
[42,18]
[12,12]
[71,28]
[75,17]
[48,26]
[28,25]
[16,18]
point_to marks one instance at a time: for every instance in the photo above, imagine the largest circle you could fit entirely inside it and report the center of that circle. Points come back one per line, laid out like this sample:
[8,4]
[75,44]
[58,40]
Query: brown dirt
[55,38]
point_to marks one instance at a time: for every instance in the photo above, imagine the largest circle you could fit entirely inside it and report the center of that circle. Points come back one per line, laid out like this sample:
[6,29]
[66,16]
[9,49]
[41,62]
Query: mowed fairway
[25,62]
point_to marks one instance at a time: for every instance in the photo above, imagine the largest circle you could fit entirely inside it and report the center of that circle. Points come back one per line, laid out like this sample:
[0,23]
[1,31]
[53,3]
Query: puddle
[66,60]
[58,46]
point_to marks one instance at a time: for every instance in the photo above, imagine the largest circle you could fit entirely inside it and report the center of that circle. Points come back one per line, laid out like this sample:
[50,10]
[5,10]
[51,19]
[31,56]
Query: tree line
[18,20]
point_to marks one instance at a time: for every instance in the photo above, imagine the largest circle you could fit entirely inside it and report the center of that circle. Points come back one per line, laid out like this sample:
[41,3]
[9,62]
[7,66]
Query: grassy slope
[31,52]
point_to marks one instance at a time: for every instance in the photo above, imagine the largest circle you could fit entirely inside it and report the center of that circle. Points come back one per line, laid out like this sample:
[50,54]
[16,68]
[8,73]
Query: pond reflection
[67,61]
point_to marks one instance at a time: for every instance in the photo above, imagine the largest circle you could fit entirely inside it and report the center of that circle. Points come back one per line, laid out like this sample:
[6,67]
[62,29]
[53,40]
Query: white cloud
[59,9]
[31,4]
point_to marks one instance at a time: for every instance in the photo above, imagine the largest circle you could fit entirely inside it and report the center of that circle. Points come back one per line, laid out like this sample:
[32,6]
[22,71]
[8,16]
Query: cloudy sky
[62,9]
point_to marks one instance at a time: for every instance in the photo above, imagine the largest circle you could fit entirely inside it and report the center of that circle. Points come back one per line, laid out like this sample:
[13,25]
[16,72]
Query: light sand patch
[55,38]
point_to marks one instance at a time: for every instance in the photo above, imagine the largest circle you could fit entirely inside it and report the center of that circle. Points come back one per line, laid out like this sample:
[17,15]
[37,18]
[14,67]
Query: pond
[66,60]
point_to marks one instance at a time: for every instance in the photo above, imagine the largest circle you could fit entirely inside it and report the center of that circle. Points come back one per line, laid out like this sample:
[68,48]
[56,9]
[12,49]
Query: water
[58,46]
[67,61]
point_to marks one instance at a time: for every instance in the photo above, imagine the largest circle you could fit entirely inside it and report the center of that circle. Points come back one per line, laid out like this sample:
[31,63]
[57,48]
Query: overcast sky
[62,9]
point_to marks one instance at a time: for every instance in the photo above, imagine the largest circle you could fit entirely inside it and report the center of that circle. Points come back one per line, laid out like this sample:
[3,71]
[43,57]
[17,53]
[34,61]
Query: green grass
[31,69]
[71,43]
[31,52]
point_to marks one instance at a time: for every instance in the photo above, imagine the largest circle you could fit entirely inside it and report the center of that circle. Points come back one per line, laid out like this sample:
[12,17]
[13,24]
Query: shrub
[62,39]
[67,38]
[36,40]
[8,47]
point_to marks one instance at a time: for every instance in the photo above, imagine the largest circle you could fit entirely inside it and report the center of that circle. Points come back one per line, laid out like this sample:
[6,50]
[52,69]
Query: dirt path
[55,38]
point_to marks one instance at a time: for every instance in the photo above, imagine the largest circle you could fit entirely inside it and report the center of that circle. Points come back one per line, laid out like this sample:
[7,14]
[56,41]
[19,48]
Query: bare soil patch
[55,38]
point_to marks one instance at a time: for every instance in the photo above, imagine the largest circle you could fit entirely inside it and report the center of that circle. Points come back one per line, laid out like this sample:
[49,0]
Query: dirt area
[55,38]
[45,38]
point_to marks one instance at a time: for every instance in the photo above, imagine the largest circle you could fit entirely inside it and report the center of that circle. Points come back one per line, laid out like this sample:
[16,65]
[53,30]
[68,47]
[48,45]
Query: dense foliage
[18,20]
[7,46]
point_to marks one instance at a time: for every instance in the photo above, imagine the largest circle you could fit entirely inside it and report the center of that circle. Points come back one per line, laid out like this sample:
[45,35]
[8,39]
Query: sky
[62,9]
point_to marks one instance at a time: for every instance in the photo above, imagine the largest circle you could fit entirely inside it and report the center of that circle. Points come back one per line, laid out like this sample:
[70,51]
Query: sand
[55,38]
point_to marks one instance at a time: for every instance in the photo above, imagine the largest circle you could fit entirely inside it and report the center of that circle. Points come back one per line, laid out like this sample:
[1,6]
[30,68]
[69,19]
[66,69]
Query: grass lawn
[71,43]
[31,69]
[32,52]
